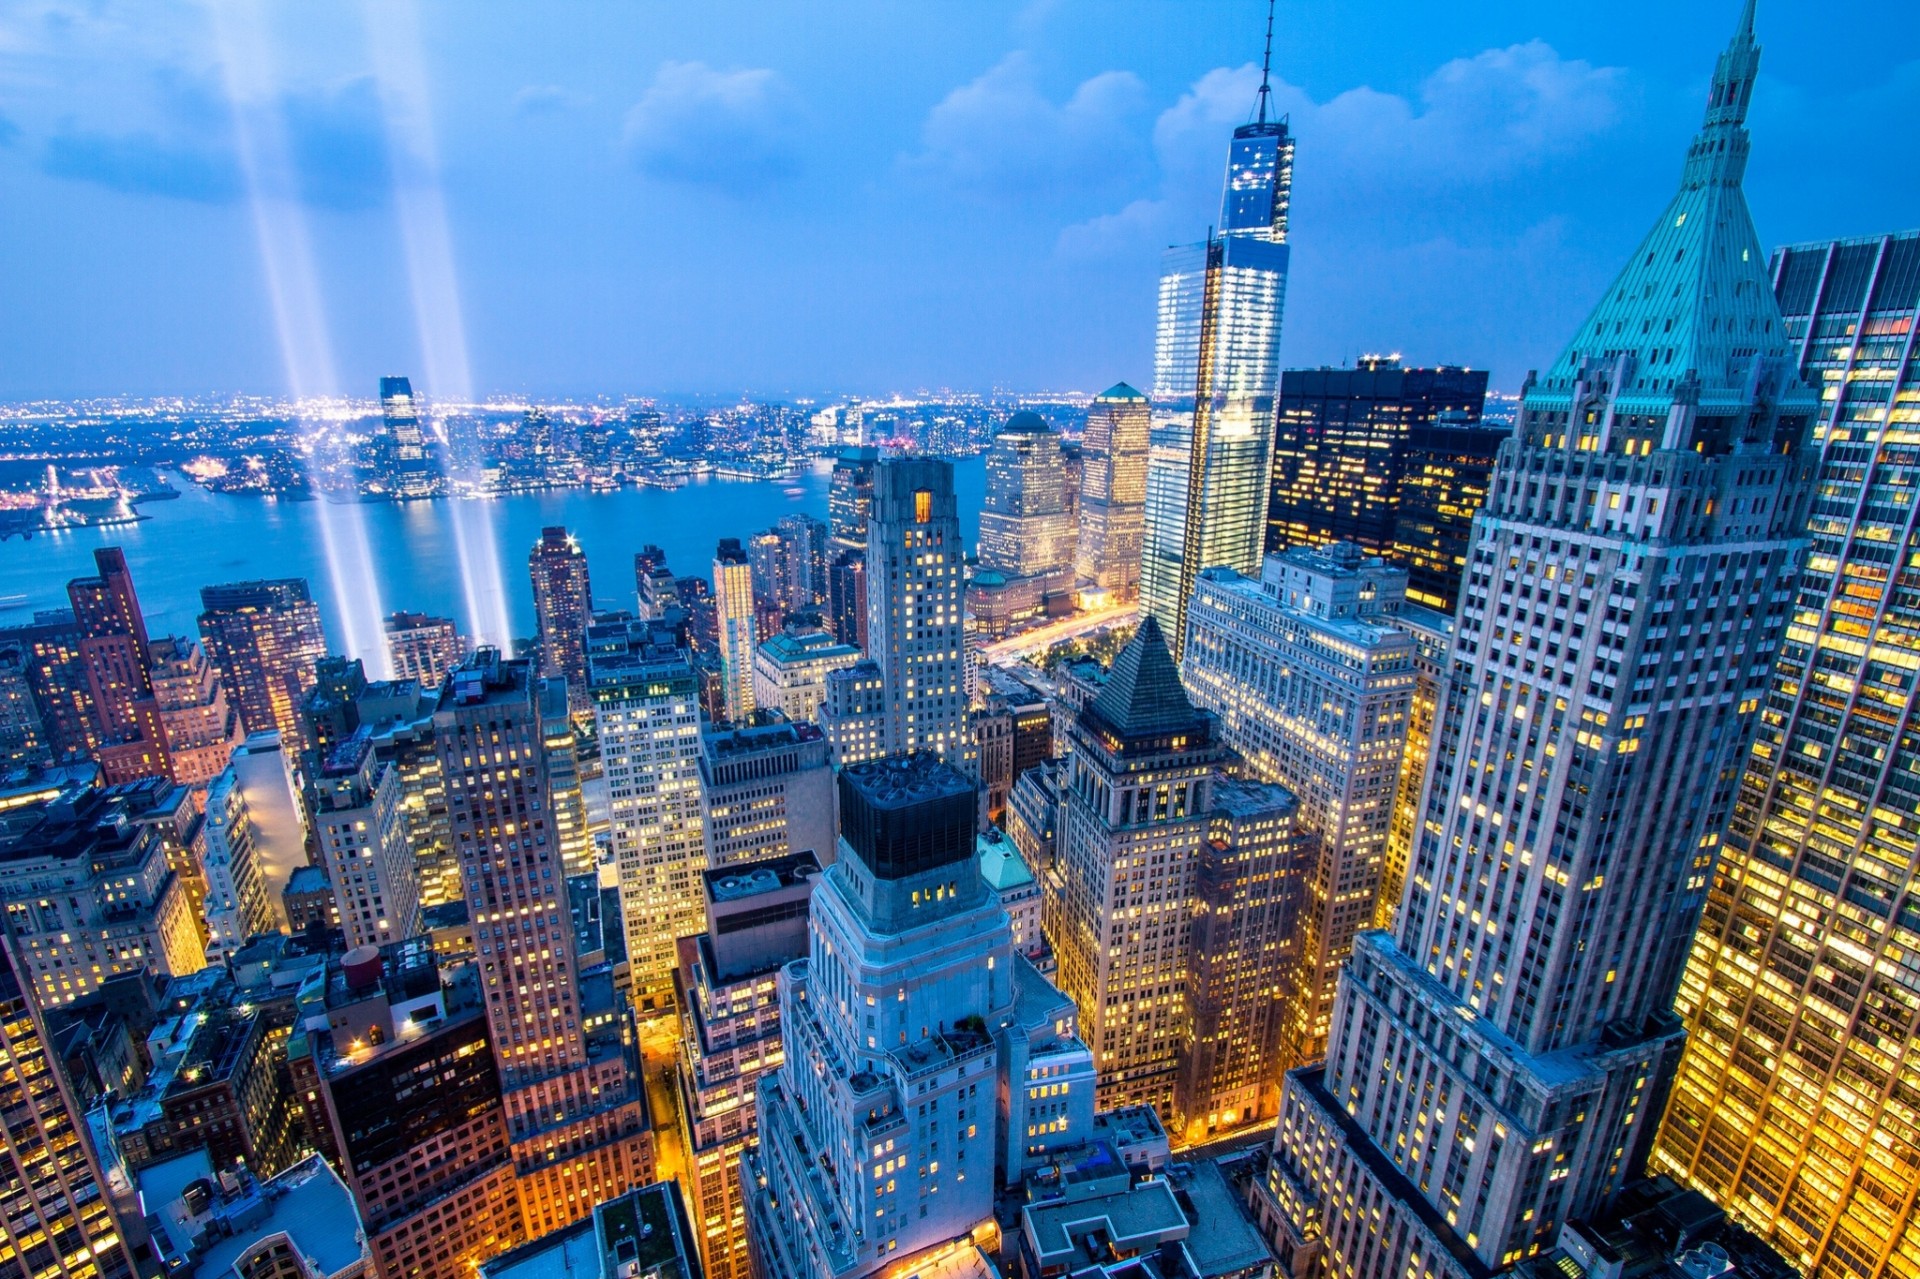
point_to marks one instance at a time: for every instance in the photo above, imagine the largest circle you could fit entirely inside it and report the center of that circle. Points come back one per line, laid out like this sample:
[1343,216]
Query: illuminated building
[55,674]
[1389,458]
[90,894]
[767,791]
[849,504]
[733,611]
[790,671]
[576,1113]
[853,714]
[1312,684]
[1216,364]
[1025,528]
[61,1226]
[889,1061]
[23,738]
[1791,1105]
[1134,864]
[756,919]
[1495,1066]
[646,704]
[563,775]
[265,639]
[916,622]
[424,648]
[1432,635]
[847,598]
[198,727]
[114,655]
[277,817]
[563,604]
[407,466]
[644,1232]
[237,905]
[362,834]
[1113,493]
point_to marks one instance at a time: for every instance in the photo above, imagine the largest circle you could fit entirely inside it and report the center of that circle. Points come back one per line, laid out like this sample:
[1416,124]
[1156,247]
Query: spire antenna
[1266,67]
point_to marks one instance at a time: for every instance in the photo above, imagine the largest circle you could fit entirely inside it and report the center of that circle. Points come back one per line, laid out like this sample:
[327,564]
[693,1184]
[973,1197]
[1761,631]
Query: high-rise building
[849,505]
[1025,530]
[916,619]
[199,728]
[62,1225]
[847,598]
[1113,493]
[767,791]
[1790,1108]
[56,674]
[1134,867]
[265,639]
[114,655]
[236,895]
[362,834]
[733,600]
[646,705]
[771,557]
[730,1034]
[1216,363]
[424,648]
[23,737]
[790,671]
[563,775]
[563,606]
[1432,635]
[1495,1067]
[808,556]
[409,467]
[1391,459]
[576,1113]
[1312,685]
[889,1057]
[853,714]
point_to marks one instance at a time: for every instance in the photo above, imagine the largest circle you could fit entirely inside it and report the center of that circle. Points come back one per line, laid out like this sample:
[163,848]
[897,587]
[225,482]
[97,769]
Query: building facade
[739,629]
[563,606]
[265,639]
[422,647]
[790,671]
[1495,1066]
[767,791]
[916,618]
[199,728]
[362,832]
[1025,526]
[1113,493]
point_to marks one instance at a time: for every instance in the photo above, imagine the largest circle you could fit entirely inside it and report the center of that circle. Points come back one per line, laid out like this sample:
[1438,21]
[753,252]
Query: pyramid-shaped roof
[1694,302]
[1121,391]
[1143,696]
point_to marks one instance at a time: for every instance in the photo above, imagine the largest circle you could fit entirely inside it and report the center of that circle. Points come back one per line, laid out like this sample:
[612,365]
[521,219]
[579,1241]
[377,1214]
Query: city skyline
[1113,116]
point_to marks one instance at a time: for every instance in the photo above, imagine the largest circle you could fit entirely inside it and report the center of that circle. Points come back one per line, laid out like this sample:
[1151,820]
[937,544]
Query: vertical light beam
[299,316]
[393,31]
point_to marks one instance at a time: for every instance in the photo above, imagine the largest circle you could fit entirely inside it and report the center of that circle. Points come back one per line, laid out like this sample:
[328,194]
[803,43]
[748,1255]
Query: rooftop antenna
[1266,67]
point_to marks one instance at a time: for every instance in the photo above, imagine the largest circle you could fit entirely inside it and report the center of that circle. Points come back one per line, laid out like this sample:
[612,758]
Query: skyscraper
[916,620]
[409,467]
[563,605]
[849,504]
[1113,493]
[733,596]
[199,728]
[1025,530]
[576,1115]
[1391,459]
[1312,685]
[265,639]
[1791,1108]
[424,647]
[1495,1066]
[362,834]
[646,704]
[114,655]
[767,791]
[1216,363]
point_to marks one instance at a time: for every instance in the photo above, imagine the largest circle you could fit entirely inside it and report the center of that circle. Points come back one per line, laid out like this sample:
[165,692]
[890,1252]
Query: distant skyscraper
[362,834]
[55,672]
[1312,684]
[114,655]
[1113,492]
[916,620]
[563,605]
[1391,459]
[410,467]
[1791,1107]
[1496,1066]
[23,737]
[1216,364]
[1025,530]
[849,504]
[576,1115]
[739,633]
[265,639]
[424,648]
[887,1026]
[646,704]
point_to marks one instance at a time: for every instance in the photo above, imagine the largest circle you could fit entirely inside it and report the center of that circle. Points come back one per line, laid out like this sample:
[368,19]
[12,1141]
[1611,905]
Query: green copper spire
[1694,304]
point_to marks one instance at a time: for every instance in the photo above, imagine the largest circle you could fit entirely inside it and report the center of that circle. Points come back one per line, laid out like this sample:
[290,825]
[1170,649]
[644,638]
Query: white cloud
[1000,136]
[731,130]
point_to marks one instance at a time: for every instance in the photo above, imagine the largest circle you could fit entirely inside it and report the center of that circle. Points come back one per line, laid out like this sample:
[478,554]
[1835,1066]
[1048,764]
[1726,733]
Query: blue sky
[860,196]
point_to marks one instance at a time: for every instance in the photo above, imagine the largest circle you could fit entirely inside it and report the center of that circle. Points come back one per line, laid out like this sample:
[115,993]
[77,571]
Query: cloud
[544,99]
[729,130]
[1475,122]
[337,144]
[1000,138]
[142,164]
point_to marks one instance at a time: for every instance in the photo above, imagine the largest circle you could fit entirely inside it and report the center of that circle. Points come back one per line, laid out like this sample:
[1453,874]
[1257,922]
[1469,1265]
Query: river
[203,538]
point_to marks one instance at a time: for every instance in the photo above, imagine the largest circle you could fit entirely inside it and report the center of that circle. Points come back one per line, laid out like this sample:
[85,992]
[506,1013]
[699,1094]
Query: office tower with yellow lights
[1496,1066]
[916,620]
[423,647]
[1113,494]
[265,639]
[198,726]
[361,828]
[1432,635]
[646,704]
[733,597]
[576,1116]
[563,606]
[1216,365]
[1792,1105]
[114,653]
[1025,527]
[1312,685]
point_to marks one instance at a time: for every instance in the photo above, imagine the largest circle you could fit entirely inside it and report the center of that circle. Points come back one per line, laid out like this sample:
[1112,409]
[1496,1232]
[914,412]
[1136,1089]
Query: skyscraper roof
[1143,695]
[1026,423]
[1121,391]
[1694,300]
